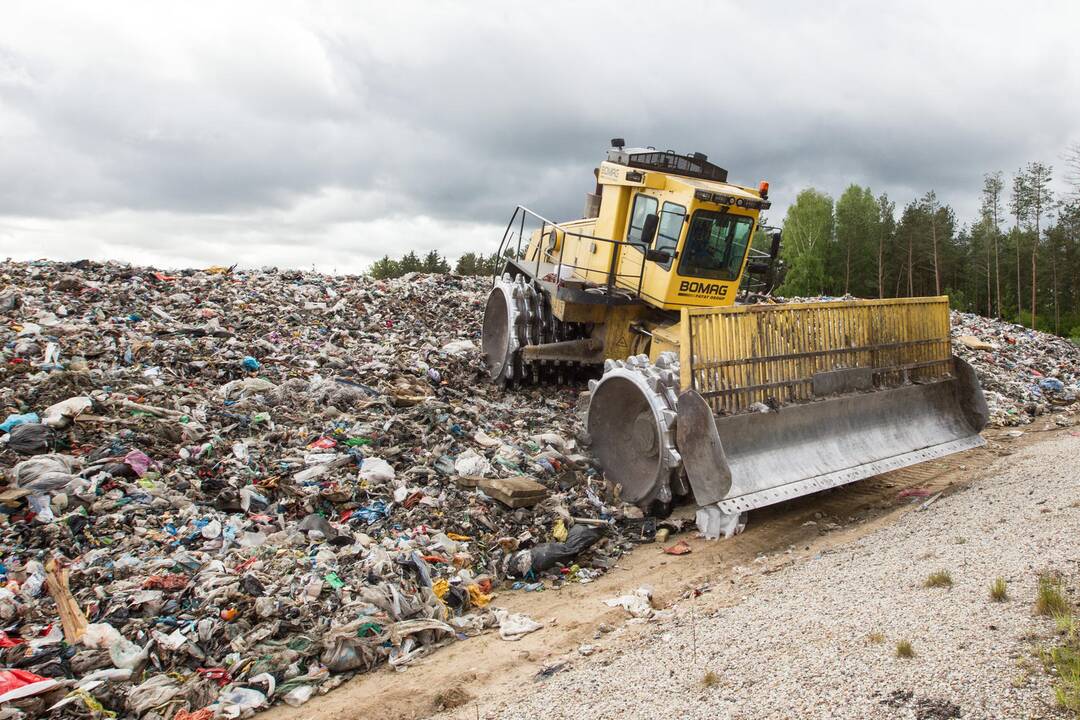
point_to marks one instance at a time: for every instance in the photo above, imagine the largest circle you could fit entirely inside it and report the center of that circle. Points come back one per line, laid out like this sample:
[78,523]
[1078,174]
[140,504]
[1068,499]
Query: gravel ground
[796,645]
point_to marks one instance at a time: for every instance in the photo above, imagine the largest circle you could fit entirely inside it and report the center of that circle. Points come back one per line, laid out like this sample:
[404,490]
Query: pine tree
[409,263]
[1040,196]
[433,263]
[930,202]
[991,211]
[384,269]
[857,217]
[466,264]
[1019,207]
[886,228]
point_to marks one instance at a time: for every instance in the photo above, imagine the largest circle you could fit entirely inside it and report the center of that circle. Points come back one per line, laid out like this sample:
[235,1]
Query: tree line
[468,264]
[1020,260]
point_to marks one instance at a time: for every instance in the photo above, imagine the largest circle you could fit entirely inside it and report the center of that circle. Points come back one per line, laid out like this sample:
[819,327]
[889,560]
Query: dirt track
[487,667]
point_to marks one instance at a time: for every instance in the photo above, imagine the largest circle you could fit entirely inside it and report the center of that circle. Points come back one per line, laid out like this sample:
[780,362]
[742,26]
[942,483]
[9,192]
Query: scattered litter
[680,548]
[930,501]
[15,684]
[638,604]
[550,669]
[515,626]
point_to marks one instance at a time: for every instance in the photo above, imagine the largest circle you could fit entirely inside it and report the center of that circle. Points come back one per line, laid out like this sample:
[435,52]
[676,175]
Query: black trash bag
[29,439]
[543,557]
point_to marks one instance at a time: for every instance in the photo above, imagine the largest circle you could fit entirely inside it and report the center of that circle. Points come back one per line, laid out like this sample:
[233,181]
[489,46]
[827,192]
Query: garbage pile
[225,489]
[1024,373]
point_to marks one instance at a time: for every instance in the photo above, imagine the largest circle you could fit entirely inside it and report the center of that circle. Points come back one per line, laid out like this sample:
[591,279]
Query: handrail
[508,235]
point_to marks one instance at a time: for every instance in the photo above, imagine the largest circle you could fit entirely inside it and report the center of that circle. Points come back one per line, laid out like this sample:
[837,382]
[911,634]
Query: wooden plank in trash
[11,495]
[467,481]
[516,491]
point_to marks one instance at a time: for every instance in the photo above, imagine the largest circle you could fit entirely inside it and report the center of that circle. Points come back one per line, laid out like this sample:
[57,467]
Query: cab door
[632,257]
[660,257]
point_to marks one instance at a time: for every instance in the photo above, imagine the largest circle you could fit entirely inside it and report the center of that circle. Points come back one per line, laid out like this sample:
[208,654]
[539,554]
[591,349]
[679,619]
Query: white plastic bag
[515,626]
[639,604]
[377,471]
[61,414]
[471,463]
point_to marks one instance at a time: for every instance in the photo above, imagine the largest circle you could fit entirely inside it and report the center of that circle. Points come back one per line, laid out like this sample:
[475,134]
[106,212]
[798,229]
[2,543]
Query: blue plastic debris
[15,420]
[1052,385]
[375,511]
[250,363]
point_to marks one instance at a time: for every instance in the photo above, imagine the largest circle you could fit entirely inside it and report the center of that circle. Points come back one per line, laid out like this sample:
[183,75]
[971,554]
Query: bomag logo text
[693,287]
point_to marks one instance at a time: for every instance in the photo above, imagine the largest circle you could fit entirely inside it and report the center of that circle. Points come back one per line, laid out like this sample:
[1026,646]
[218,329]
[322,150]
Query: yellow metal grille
[739,355]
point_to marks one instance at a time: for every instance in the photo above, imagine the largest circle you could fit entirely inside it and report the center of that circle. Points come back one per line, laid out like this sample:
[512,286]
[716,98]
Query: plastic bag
[377,471]
[159,690]
[45,473]
[472,464]
[61,414]
[15,419]
[714,523]
[639,604]
[236,702]
[348,654]
[122,652]
[458,347]
[15,684]
[516,626]
[29,439]
[543,557]
[299,695]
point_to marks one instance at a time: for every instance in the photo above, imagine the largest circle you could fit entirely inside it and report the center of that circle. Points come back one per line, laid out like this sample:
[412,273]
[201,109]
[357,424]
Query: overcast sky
[327,134]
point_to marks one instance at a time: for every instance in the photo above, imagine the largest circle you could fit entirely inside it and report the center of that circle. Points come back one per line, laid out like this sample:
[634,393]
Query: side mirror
[774,250]
[648,230]
[660,256]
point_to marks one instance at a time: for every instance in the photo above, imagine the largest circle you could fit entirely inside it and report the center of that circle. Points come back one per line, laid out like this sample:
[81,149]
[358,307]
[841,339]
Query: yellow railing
[740,355]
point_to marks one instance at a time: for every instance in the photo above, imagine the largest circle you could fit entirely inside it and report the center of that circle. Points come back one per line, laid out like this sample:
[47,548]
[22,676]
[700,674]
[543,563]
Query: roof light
[763,189]
[703,195]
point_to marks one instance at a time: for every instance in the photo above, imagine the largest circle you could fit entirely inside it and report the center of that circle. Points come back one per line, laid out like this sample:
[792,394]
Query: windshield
[715,245]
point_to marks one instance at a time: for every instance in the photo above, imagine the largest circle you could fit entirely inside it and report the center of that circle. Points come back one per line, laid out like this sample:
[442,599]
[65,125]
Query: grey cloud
[247,128]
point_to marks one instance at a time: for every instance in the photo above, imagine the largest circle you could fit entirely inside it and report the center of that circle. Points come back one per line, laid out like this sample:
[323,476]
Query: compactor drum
[505,319]
[734,406]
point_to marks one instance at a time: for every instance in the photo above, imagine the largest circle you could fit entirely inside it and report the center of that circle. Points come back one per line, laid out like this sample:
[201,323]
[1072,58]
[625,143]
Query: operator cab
[688,229]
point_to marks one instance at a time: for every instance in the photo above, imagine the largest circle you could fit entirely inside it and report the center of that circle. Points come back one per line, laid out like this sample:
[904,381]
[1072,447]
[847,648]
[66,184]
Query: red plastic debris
[165,582]
[680,548]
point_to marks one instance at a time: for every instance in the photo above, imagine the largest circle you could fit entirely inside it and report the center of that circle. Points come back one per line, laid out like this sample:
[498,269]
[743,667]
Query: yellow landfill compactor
[740,405]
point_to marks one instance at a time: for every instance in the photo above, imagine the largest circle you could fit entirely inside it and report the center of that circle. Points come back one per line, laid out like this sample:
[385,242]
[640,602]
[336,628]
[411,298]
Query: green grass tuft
[1065,660]
[1049,599]
[904,650]
[941,578]
[999,590]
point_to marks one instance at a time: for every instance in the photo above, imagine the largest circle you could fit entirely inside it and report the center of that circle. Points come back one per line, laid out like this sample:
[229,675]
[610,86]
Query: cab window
[643,205]
[715,245]
[672,218]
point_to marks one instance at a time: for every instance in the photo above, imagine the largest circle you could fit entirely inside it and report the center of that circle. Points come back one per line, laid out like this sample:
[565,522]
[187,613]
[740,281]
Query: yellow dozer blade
[765,403]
